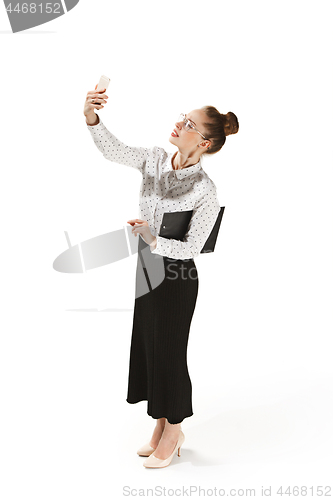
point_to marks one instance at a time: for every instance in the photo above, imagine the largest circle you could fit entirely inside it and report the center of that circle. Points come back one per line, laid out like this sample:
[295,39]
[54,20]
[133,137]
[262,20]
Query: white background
[259,352]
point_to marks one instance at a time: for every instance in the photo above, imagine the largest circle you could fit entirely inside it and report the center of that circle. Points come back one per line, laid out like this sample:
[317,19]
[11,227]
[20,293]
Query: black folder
[175,224]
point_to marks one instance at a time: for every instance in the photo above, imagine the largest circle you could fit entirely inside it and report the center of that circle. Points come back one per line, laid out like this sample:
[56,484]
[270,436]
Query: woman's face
[189,140]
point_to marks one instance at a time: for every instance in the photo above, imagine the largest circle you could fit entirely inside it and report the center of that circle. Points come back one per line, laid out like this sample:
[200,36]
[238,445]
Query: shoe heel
[179,451]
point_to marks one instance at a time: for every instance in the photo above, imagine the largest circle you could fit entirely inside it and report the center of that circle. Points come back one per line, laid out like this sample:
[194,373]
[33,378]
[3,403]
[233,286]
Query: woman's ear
[205,144]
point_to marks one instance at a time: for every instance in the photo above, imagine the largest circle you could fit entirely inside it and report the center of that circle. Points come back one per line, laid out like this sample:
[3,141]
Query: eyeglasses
[188,125]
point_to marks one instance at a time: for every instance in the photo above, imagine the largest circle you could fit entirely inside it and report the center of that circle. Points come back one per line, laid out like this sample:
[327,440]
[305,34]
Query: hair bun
[231,125]
[217,126]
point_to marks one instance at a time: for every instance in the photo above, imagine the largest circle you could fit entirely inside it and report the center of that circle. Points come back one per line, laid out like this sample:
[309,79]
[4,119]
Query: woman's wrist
[153,244]
[92,119]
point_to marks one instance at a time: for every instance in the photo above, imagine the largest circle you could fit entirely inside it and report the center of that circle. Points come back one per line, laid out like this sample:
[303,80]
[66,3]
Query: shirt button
[163,227]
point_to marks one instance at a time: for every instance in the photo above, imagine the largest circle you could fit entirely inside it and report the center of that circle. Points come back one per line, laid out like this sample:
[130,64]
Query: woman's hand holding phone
[93,101]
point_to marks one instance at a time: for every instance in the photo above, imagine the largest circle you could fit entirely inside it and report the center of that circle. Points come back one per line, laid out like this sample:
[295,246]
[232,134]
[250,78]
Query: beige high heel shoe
[154,462]
[145,450]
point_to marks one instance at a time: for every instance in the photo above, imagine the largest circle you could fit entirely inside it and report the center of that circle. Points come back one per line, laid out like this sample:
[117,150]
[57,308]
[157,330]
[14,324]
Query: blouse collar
[187,171]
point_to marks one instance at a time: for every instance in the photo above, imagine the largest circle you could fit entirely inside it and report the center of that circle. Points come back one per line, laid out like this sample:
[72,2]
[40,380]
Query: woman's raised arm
[111,148]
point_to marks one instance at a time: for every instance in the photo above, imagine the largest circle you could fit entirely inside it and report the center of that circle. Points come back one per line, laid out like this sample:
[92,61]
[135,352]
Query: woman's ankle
[160,423]
[172,428]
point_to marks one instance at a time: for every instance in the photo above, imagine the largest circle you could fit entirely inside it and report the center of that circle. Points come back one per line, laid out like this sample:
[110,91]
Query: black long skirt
[158,371]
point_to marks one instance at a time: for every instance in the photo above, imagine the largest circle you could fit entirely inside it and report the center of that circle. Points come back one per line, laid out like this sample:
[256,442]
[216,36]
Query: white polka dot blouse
[164,189]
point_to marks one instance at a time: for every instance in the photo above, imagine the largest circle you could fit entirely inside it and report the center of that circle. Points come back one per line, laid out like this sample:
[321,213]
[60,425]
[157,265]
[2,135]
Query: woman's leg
[168,440]
[158,431]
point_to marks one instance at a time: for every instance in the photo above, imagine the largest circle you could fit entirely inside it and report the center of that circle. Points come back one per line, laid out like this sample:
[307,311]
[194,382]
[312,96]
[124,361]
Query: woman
[162,317]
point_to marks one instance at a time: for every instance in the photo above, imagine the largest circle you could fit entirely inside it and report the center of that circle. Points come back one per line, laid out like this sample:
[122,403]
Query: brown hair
[218,127]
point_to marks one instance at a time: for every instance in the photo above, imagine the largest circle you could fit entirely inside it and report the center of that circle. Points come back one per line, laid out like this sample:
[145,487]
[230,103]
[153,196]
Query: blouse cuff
[96,128]
[162,246]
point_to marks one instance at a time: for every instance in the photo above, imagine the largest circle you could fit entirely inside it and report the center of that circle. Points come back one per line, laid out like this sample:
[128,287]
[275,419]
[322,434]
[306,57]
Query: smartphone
[103,83]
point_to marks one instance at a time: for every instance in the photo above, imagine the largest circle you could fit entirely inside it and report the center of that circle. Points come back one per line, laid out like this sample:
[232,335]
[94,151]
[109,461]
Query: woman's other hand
[141,227]
[98,98]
